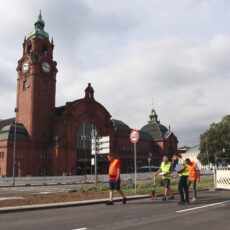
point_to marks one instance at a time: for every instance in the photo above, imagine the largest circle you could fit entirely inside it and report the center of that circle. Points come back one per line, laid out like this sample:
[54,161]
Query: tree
[214,140]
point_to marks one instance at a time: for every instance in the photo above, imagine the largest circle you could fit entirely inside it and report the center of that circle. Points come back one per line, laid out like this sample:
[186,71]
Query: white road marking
[44,192]
[205,206]
[11,198]
[79,229]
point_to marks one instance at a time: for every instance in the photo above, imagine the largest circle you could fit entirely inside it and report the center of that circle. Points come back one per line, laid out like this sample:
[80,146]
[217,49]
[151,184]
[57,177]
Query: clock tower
[36,85]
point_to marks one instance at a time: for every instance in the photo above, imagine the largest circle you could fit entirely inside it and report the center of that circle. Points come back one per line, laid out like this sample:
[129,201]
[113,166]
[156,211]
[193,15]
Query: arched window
[29,48]
[156,149]
[170,151]
[44,49]
[83,139]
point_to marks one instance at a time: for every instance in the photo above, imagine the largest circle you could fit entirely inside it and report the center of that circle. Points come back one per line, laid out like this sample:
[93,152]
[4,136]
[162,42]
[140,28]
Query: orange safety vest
[193,173]
[113,170]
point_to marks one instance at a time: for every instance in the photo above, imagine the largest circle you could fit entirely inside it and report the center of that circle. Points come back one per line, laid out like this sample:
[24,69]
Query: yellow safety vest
[166,168]
[186,171]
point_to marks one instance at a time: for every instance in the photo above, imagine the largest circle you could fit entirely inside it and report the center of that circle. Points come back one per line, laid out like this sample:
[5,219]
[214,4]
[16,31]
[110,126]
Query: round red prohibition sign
[134,136]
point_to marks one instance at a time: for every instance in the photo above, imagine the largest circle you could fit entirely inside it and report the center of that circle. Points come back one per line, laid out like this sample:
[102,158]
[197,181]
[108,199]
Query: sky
[173,55]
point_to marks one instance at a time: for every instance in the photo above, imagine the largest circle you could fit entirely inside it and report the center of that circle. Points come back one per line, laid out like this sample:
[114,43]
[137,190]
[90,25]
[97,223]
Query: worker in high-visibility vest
[166,167]
[194,176]
[114,178]
[183,172]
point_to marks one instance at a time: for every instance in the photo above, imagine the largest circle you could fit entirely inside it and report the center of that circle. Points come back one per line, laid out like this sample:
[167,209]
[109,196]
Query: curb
[66,204]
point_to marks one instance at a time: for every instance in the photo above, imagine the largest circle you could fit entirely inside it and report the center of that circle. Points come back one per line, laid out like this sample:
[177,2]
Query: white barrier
[222,179]
[7,181]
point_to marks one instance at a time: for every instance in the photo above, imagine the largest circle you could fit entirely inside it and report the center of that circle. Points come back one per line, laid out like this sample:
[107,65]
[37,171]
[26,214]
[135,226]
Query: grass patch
[144,187]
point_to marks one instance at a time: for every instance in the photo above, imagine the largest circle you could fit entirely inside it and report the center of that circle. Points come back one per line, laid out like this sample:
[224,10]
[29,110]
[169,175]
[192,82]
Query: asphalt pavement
[210,212]
[28,190]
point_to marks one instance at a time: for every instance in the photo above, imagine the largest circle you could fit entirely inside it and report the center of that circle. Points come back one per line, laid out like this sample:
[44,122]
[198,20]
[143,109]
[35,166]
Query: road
[211,212]
[28,190]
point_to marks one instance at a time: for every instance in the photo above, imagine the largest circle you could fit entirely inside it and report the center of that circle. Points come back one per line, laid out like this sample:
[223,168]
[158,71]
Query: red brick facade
[36,90]
[53,141]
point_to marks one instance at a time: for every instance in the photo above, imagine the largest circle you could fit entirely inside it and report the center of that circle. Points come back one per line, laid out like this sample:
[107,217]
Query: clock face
[46,67]
[25,66]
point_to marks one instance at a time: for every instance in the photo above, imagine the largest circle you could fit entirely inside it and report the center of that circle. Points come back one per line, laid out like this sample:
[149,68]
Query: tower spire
[40,15]
[39,24]
[38,31]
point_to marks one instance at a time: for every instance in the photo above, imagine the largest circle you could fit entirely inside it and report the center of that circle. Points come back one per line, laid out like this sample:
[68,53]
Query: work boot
[124,200]
[187,202]
[109,203]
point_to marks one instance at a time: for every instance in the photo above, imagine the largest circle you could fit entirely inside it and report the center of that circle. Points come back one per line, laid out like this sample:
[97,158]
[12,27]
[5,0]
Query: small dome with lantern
[155,128]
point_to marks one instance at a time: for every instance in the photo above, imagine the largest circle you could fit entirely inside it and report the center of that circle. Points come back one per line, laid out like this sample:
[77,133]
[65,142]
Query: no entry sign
[134,136]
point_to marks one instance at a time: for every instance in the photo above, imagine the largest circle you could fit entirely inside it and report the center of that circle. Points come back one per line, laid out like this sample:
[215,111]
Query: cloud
[176,52]
[180,74]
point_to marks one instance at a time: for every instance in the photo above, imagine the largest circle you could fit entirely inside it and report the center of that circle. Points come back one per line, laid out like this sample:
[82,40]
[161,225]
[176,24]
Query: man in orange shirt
[114,178]
[193,177]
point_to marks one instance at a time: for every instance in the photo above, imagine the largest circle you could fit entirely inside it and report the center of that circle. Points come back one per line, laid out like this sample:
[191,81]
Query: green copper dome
[154,127]
[7,132]
[38,31]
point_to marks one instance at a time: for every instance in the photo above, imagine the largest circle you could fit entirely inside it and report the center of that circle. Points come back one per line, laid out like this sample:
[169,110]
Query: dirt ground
[53,198]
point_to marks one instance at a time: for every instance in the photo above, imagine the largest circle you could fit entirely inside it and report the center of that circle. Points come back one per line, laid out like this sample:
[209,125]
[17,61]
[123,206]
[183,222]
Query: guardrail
[86,179]
[222,178]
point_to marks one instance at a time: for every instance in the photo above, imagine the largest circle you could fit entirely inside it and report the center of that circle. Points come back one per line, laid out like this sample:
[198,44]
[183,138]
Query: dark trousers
[183,188]
[193,182]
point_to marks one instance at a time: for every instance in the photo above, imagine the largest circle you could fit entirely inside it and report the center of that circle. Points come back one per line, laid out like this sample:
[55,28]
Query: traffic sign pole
[95,160]
[135,166]
[99,145]
[134,137]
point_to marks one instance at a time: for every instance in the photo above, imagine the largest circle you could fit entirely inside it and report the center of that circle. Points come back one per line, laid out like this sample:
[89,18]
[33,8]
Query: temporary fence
[222,178]
[85,179]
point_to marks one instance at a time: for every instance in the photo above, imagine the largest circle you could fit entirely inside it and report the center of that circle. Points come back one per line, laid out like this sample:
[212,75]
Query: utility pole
[14,153]
[94,148]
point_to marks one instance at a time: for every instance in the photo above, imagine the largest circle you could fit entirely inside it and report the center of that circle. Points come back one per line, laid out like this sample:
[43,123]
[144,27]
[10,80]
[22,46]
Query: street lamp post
[149,161]
[14,153]
[207,152]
